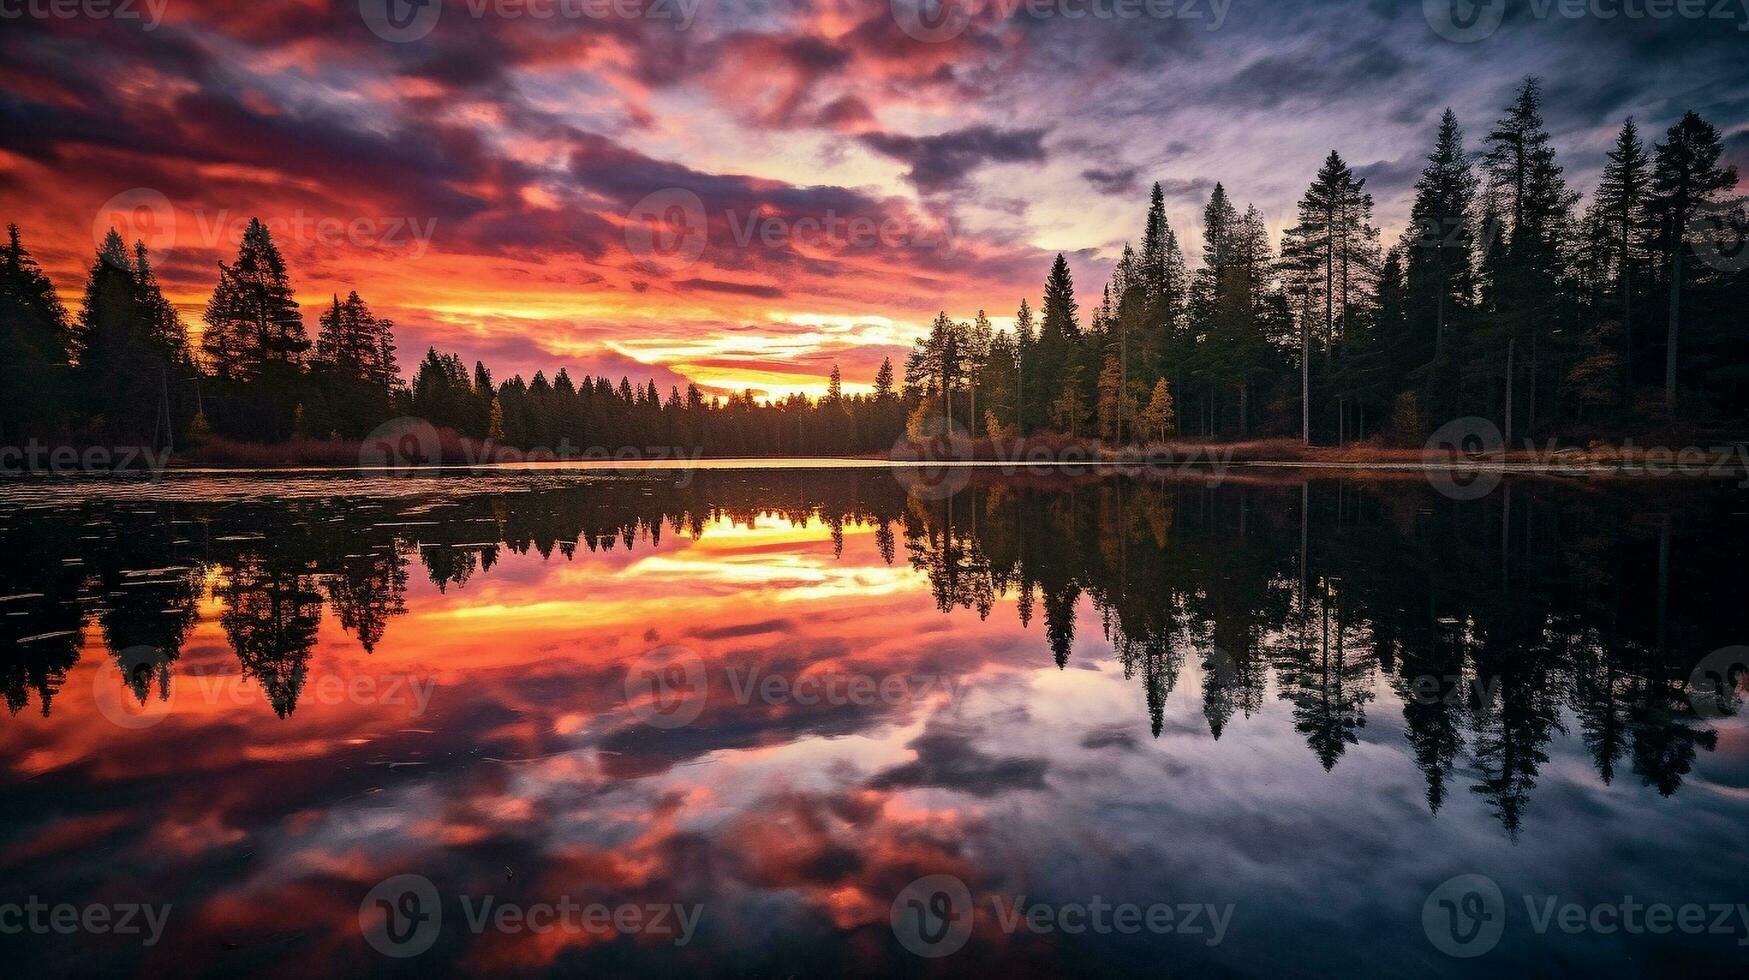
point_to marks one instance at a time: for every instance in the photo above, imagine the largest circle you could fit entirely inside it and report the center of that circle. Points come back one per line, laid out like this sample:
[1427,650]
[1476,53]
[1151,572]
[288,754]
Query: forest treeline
[1503,299]
[123,371]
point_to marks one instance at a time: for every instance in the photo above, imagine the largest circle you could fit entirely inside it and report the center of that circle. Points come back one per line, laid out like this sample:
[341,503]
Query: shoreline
[1695,466]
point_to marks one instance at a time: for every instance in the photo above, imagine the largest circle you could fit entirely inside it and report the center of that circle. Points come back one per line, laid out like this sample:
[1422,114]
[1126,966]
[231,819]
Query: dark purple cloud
[941,162]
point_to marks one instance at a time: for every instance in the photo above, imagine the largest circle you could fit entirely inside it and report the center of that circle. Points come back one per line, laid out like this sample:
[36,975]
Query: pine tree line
[1499,300]
[124,370]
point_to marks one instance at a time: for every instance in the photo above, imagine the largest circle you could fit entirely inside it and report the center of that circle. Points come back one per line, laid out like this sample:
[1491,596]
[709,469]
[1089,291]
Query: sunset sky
[489,184]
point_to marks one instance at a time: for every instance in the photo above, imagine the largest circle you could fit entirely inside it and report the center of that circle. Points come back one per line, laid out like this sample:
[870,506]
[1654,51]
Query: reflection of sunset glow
[533,773]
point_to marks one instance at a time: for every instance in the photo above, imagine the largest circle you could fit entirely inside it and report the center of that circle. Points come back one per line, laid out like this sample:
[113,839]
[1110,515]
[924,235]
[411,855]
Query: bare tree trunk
[1530,421]
[1511,348]
[1305,379]
[1439,331]
[1675,323]
[1627,323]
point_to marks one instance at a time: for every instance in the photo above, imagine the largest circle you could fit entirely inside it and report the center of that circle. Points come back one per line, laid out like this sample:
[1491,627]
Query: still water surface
[742,713]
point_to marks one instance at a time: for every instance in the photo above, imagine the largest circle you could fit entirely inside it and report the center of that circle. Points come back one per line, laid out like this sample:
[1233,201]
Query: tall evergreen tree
[1061,313]
[1686,177]
[1523,291]
[253,323]
[347,339]
[130,343]
[1329,258]
[163,325]
[34,344]
[1024,340]
[883,382]
[1220,229]
[1058,348]
[1161,266]
[355,370]
[1438,243]
[1619,212]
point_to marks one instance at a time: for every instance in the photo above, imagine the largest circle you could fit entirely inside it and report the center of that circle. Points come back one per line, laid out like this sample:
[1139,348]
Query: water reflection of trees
[1494,625]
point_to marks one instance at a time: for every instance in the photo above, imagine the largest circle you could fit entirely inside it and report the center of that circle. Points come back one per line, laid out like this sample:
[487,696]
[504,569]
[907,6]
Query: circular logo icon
[1720,235]
[401,916]
[667,229]
[933,21]
[1719,683]
[400,21]
[928,465]
[143,696]
[932,916]
[1219,668]
[401,446]
[1453,470]
[1465,916]
[1464,21]
[138,215]
[667,687]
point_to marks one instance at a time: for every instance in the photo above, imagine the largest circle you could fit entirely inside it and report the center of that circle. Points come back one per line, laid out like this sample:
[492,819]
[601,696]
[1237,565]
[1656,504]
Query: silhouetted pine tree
[253,323]
[1619,212]
[1686,178]
[1522,294]
[34,344]
[1438,279]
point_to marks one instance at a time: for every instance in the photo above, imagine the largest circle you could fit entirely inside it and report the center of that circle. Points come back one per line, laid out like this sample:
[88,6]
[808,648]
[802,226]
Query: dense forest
[1502,299]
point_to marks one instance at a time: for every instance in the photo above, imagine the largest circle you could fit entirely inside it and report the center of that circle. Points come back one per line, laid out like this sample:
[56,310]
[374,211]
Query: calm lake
[778,722]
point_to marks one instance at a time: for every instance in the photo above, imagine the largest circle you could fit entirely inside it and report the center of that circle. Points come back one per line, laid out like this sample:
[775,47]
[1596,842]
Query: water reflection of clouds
[532,777]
